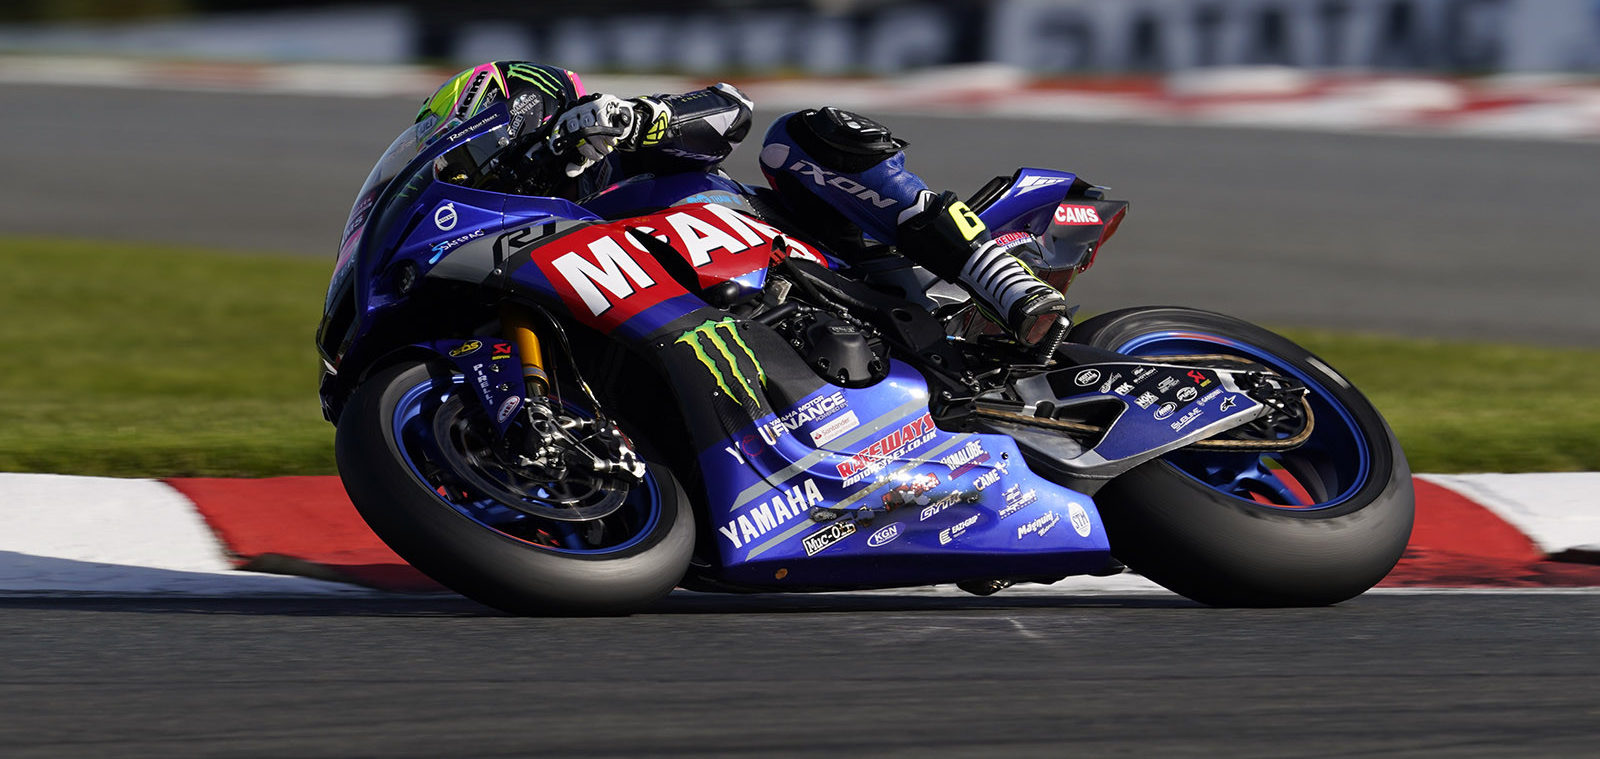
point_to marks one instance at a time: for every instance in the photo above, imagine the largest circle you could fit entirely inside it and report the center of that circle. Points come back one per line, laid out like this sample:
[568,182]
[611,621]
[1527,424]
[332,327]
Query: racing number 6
[966,221]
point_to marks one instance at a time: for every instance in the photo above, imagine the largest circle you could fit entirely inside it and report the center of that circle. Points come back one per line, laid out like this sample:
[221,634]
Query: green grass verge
[143,361]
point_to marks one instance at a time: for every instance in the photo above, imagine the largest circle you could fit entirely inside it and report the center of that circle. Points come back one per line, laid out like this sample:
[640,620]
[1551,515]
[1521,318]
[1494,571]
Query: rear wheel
[1314,525]
[417,458]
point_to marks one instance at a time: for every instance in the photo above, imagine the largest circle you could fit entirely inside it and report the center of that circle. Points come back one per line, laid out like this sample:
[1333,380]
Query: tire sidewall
[1228,551]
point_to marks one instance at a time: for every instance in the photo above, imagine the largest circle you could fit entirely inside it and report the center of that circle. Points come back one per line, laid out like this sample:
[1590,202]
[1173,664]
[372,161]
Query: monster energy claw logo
[710,334]
[539,77]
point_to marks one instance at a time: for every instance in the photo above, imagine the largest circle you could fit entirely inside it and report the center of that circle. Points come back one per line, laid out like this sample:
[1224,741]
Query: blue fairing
[916,504]
[1029,202]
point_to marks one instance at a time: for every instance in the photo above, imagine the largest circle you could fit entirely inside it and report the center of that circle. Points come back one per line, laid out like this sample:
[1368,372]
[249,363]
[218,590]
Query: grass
[143,361]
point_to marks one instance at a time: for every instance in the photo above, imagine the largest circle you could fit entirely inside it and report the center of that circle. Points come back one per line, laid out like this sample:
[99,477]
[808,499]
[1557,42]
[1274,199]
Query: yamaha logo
[445,217]
[1087,377]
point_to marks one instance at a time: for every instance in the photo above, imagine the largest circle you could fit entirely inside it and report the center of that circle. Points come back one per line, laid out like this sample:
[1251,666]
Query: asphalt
[1461,675]
[1450,237]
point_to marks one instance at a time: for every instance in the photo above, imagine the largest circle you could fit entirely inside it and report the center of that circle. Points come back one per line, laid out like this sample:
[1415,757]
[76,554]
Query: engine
[840,350]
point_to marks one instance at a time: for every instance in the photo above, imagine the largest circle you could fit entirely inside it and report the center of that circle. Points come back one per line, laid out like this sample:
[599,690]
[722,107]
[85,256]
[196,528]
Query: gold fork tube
[527,341]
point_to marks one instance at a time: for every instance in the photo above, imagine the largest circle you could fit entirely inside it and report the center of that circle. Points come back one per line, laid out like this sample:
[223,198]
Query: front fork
[519,328]
[555,433]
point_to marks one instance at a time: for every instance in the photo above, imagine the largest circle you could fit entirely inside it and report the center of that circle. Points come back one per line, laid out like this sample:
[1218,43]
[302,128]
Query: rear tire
[473,557]
[1218,547]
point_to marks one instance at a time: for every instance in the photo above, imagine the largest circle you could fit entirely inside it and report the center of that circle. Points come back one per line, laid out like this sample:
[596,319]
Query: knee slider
[841,140]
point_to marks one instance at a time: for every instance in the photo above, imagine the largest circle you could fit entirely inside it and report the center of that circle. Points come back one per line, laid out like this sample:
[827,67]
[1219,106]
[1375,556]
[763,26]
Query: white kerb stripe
[108,535]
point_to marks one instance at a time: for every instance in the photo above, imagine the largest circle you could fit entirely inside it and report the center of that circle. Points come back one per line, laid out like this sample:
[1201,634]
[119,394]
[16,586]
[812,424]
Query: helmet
[536,94]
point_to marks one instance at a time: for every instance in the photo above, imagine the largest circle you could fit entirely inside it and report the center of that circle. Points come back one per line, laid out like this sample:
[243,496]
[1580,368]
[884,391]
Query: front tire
[393,470]
[1307,527]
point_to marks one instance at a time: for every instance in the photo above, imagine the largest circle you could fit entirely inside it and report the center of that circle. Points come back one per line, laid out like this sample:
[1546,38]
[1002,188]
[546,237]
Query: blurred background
[1411,169]
[838,36]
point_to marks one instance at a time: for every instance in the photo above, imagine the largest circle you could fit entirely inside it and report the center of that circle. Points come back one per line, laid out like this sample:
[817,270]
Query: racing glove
[599,124]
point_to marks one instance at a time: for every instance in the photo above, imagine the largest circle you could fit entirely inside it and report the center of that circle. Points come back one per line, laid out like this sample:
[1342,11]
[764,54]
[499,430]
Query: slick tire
[1223,550]
[477,561]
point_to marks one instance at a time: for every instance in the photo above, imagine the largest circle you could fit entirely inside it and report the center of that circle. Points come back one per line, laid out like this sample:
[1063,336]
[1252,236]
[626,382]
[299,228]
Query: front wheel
[1314,525]
[417,458]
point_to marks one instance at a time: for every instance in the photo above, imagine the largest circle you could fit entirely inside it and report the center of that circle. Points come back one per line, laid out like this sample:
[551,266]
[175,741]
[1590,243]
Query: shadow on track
[680,603]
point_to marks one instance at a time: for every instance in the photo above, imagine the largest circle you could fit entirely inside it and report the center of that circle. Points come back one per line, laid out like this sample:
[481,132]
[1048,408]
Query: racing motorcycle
[558,407]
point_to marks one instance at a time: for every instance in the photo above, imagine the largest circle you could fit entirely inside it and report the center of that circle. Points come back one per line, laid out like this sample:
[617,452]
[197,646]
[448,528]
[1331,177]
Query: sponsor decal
[1210,395]
[891,446]
[465,349]
[820,407]
[1187,394]
[1142,372]
[1123,389]
[544,80]
[910,492]
[525,105]
[1016,500]
[827,536]
[1040,526]
[1199,378]
[1106,386]
[720,339]
[470,98]
[507,408]
[501,351]
[966,459]
[1075,215]
[465,132]
[445,217]
[611,271]
[987,478]
[1227,403]
[1010,240]
[606,272]
[1165,410]
[451,244]
[1086,377]
[940,505]
[1145,399]
[831,430]
[884,536]
[956,530]
[1167,383]
[785,507]
[823,178]
[482,379]
[1080,520]
[1188,417]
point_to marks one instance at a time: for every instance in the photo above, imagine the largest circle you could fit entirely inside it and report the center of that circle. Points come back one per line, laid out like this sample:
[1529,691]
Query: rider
[844,172]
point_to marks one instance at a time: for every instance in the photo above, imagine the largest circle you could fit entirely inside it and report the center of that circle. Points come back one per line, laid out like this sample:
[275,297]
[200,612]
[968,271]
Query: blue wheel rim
[1327,470]
[638,514]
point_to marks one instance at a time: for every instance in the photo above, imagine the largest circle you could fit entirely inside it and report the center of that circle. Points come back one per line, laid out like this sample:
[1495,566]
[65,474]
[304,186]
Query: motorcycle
[558,407]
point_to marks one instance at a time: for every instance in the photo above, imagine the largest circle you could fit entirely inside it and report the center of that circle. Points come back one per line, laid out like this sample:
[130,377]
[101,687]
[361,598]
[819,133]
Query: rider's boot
[843,171]
[947,237]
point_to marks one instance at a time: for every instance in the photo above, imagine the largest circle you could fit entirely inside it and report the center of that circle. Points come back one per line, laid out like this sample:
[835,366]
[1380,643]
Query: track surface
[1391,675]
[1446,237]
